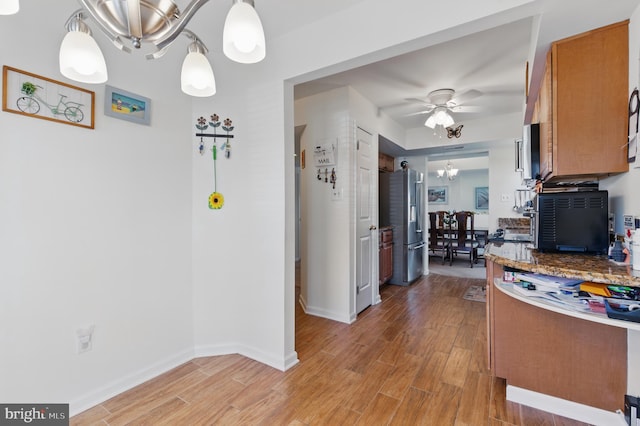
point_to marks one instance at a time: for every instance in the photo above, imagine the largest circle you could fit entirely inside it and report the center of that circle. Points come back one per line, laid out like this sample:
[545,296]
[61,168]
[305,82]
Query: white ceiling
[492,62]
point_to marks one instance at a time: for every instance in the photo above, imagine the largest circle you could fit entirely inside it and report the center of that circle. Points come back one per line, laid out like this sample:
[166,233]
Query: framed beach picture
[125,105]
[482,198]
[36,96]
[438,195]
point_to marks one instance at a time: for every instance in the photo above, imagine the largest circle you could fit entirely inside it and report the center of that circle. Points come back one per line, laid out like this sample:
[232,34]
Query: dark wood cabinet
[386,255]
[582,105]
[385,162]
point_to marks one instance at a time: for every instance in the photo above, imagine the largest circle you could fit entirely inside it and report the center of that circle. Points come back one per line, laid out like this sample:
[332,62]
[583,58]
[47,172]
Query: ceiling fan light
[243,36]
[447,120]
[9,7]
[81,58]
[431,122]
[196,78]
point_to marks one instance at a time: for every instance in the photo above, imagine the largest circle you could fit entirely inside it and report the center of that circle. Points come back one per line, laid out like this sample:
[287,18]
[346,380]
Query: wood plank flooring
[417,358]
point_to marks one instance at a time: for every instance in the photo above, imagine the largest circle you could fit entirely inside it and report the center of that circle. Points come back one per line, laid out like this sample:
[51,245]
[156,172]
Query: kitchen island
[560,360]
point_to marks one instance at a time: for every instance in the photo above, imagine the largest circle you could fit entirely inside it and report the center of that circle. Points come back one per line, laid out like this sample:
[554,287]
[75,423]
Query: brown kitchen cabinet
[385,162]
[386,254]
[582,105]
[552,353]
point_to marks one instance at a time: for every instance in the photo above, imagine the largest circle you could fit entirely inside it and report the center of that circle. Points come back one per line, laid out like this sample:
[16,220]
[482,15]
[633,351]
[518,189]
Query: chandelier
[9,7]
[440,117]
[449,171]
[158,22]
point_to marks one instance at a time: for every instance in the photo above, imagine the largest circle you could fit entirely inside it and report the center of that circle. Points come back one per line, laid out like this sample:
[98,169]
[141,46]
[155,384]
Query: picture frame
[33,95]
[127,106]
[438,195]
[482,198]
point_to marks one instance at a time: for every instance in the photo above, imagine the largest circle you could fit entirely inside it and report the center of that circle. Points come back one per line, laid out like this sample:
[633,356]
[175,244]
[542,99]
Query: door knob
[372,227]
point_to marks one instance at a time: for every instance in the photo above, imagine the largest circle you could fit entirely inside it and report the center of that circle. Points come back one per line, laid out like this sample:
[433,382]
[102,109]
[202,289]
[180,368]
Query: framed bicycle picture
[36,96]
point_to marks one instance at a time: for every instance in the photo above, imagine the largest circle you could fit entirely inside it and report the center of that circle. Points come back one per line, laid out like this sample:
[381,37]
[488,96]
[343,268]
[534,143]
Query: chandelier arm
[107,28]
[187,33]
[185,17]
[113,37]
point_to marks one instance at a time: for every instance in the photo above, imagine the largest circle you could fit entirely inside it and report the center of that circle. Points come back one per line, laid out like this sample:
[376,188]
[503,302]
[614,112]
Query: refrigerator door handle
[418,206]
[417,247]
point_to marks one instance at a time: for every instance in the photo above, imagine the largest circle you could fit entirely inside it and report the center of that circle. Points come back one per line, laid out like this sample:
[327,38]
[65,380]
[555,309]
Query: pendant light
[440,117]
[243,37]
[159,23]
[196,78]
[80,56]
[9,7]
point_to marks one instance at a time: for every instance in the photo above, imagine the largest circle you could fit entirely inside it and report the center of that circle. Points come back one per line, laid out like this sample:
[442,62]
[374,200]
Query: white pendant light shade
[431,122]
[197,76]
[9,7]
[440,117]
[81,58]
[243,37]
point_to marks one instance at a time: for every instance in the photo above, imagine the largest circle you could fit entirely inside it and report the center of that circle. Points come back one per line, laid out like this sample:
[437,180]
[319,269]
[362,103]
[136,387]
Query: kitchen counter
[587,267]
[543,352]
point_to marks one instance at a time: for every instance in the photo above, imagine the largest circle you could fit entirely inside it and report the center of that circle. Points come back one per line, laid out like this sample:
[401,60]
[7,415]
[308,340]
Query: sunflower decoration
[216,201]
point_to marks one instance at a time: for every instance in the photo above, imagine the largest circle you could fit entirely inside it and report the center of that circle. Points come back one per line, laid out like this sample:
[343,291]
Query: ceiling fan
[440,103]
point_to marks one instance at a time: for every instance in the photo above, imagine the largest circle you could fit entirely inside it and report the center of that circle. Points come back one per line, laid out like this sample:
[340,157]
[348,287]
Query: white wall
[327,232]
[94,228]
[325,235]
[502,179]
[461,190]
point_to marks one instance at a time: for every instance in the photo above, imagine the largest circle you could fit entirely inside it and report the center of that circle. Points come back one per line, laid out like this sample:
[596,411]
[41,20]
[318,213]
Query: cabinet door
[545,113]
[589,93]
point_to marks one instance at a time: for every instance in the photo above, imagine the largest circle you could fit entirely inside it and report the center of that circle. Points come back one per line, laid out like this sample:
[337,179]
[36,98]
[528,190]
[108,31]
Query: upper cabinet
[582,105]
[385,162]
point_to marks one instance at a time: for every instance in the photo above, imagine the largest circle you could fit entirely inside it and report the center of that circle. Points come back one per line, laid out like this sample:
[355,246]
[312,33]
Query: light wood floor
[418,358]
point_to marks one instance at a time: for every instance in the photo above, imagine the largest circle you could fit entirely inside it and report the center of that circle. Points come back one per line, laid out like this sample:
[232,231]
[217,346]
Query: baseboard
[276,362]
[323,313]
[565,408]
[124,384]
[127,383]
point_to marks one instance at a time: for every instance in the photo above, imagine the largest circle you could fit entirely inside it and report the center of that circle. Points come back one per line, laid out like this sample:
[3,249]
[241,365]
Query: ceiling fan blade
[464,97]
[426,111]
[418,100]
[465,108]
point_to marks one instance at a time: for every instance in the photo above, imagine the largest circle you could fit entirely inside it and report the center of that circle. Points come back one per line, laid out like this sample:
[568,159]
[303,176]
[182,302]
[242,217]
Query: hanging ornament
[216,199]
[202,126]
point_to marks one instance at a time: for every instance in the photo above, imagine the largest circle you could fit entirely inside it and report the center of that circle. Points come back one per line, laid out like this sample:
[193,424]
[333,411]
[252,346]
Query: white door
[367,234]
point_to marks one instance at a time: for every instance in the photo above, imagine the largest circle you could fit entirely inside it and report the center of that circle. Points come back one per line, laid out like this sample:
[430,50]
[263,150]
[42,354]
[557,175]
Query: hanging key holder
[216,199]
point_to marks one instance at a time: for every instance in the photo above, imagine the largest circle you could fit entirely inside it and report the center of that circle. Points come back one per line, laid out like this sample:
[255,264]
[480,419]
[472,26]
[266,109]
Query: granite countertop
[570,265]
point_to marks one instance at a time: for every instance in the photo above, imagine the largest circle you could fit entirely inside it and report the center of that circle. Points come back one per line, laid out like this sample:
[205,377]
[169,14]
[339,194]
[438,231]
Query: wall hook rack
[216,199]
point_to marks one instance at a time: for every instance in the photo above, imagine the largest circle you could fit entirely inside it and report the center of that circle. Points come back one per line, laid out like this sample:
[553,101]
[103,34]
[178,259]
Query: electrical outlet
[505,197]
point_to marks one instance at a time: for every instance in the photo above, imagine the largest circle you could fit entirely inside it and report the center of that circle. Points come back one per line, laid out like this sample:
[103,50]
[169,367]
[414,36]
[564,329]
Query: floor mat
[475,293]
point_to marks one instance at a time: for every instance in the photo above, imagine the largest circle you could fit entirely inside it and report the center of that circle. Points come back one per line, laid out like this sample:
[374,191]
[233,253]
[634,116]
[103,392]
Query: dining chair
[464,240]
[438,241]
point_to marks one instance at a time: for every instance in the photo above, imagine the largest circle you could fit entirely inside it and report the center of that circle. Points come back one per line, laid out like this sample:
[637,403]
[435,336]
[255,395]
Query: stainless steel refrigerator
[401,204]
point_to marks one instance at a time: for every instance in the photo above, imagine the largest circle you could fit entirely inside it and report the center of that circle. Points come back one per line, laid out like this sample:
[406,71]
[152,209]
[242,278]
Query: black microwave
[572,222]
